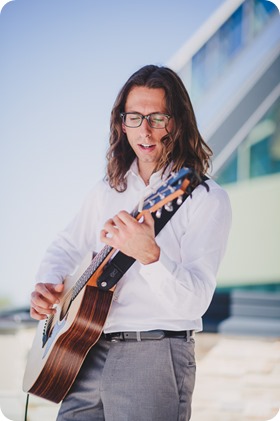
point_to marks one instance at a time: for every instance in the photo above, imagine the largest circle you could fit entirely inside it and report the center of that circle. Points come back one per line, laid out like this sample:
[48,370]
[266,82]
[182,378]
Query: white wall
[253,254]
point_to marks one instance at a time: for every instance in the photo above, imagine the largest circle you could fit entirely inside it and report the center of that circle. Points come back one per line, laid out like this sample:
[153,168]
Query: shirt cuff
[49,278]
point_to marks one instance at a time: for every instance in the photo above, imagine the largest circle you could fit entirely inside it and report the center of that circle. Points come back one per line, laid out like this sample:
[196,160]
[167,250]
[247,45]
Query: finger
[57,287]
[54,288]
[41,304]
[126,218]
[118,223]
[50,292]
[35,315]
[109,226]
[43,310]
[38,300]
[148,218]
[105,237]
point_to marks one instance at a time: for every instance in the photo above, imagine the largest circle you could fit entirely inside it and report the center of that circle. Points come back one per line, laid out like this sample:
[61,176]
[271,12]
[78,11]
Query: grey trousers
[133,381]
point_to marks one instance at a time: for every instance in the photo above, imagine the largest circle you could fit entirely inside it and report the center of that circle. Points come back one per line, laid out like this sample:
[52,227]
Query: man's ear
[123,128]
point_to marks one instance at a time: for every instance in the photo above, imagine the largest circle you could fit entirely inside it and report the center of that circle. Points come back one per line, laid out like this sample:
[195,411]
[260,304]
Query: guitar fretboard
[95,263]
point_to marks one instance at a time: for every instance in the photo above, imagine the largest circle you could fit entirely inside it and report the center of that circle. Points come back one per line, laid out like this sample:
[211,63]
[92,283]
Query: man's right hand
[44,298]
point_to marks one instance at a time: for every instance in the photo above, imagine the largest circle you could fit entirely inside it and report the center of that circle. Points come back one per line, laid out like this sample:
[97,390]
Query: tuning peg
[168,207]
[158,213]
[179,200]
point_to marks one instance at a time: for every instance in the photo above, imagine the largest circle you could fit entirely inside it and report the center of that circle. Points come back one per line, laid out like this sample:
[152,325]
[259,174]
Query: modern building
[231,68]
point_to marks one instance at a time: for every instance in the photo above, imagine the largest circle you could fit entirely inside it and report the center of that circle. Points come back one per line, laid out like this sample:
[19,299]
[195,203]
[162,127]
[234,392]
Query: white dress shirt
[172,293]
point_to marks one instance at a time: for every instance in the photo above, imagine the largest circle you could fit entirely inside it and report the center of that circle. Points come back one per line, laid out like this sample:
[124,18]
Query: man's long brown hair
[183,145]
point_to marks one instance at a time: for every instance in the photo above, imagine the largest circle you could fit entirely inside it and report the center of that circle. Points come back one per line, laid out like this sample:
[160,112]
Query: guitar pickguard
[47,342]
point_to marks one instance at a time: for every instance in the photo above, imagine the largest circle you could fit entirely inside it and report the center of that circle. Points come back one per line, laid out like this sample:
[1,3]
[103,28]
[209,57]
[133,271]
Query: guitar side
[52,368]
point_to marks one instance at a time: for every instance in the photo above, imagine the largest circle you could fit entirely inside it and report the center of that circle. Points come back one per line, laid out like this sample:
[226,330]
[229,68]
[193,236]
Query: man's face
[145,140]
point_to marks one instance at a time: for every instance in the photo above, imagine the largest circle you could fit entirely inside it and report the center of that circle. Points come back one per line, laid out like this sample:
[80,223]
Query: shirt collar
[155,177]
[133,169]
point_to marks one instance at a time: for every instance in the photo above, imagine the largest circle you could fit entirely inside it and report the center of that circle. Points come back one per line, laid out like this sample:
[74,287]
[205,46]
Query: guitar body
[51,369]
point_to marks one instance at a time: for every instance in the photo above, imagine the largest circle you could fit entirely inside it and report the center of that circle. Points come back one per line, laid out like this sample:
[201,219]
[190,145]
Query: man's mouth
[146,147]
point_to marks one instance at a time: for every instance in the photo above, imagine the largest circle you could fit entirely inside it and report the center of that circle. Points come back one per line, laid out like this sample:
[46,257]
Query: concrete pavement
[238,379]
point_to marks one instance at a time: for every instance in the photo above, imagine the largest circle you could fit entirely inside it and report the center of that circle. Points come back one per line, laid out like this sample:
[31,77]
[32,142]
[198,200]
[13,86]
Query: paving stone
[238,380]
[260,409]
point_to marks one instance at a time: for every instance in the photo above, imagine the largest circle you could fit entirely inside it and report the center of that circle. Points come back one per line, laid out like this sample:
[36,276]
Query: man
[143,367]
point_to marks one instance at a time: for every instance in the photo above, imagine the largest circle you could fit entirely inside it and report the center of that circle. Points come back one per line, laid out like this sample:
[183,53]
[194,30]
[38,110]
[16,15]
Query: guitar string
[75,290]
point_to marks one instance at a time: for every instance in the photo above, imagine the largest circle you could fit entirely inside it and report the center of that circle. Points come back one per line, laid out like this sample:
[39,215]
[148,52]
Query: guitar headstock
[176,185]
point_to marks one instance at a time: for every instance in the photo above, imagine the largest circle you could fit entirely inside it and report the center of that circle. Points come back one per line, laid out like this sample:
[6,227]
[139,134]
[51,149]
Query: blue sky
[62,65]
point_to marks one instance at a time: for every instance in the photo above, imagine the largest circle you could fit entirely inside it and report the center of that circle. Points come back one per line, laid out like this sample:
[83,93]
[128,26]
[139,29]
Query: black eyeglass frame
[147,117]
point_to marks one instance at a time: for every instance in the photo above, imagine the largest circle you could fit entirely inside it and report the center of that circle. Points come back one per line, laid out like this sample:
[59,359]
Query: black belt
[147,336]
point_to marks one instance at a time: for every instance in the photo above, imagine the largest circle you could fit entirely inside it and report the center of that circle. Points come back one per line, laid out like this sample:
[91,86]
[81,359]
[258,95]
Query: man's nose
[145,128]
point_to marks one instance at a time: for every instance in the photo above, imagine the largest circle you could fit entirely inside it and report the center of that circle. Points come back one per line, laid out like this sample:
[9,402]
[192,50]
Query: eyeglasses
[155,120]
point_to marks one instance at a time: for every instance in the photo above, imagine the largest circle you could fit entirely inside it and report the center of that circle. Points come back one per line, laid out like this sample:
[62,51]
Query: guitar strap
[120,263]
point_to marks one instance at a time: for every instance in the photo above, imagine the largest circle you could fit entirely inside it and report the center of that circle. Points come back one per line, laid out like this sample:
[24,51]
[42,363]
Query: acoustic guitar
[63,340]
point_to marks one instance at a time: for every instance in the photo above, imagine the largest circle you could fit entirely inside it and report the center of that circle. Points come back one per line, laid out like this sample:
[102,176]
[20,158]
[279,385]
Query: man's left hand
[133,238]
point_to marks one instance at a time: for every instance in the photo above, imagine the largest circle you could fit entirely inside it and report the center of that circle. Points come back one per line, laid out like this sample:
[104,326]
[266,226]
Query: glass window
[265,157]
[265,151]
[214,57]
[228,173]
[263,10]
[199,72]
[231,35]
[258,154]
